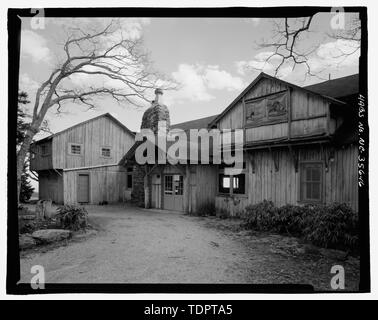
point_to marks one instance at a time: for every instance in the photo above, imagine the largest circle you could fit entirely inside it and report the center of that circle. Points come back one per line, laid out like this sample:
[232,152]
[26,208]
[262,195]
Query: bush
[334,226]
[207,209]
[72,217]
[262,216]
[330,226]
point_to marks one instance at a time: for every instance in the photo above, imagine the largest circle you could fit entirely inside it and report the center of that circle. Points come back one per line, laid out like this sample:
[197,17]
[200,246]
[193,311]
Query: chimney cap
[158,91]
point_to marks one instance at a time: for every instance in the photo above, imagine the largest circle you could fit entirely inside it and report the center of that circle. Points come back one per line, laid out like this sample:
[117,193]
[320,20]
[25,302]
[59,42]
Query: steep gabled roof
[337,88]
[264,75]
[89,120]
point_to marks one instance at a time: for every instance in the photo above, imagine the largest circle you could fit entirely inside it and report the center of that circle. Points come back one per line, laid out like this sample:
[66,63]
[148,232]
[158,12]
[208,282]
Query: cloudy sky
[213,60]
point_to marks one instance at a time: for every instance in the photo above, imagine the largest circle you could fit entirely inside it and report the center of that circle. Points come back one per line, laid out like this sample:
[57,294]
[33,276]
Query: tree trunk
[21,157]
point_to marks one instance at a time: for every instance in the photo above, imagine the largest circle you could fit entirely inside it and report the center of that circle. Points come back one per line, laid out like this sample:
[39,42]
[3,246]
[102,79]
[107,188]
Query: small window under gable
[105,152]
[75,148]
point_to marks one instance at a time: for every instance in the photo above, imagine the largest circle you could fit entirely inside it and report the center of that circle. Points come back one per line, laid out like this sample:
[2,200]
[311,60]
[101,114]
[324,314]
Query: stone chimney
[157,112]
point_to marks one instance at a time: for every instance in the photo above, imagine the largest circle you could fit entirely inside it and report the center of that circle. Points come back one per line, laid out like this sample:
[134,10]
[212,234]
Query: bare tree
[106,53]
[287,47]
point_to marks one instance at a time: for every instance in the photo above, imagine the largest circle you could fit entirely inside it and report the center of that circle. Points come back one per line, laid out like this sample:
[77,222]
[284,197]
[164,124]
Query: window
[44,150]
[168,184]
[311,182]
[179,184]
[75,149]
[236,187]
[105,152]
[224,183]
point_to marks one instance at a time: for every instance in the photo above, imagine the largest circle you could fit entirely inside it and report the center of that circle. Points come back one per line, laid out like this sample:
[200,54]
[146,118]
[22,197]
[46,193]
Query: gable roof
[337,88]
[194,124]
[86,121]
[264,75]
[201,123]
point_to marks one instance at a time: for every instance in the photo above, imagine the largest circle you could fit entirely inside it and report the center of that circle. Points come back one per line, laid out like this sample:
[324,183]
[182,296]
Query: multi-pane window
[238,185]
[75,148]
[311,182]
[179,184]
[105,152]
[231,183]
[224,183]
[168,184]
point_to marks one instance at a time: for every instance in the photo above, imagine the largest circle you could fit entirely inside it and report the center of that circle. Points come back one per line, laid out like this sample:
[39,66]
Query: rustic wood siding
[92,135]
[307,114]
[105,184]
[50,185]
[38,161]
[206,184]
[340,181]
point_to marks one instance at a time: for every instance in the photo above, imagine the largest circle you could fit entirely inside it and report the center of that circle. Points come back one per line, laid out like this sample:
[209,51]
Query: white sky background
[213,60]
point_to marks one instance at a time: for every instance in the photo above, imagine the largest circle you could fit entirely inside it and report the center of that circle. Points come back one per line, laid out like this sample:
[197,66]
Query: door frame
[84,173]
[173,184]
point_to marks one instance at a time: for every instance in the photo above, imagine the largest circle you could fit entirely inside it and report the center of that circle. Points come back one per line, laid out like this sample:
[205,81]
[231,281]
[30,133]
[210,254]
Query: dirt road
[146,246]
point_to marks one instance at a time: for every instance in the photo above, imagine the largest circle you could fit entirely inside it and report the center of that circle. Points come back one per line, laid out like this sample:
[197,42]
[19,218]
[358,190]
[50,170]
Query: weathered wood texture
[200,188]
[92,136]
[206,185]
[340,181]
[39,161]
[50,184]
[105,184]
[307,115]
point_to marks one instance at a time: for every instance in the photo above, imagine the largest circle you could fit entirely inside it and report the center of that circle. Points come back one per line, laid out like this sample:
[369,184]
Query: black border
[13,262]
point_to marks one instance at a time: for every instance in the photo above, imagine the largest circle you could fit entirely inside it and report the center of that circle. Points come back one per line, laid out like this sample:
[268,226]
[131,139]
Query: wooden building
[299,148]
[80,164]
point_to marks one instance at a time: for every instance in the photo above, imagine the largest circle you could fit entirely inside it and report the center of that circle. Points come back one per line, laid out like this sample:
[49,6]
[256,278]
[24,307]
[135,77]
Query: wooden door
[174,192]
[83,188]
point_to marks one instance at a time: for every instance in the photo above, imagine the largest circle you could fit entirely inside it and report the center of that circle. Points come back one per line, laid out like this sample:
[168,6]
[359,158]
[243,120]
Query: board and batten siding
[308,114]
[92,136]
[340,181]
[50,186]
[39,161]
[105,184]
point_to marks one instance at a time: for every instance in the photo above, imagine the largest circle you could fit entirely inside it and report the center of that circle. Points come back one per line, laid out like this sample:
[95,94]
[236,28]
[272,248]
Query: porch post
[147,203]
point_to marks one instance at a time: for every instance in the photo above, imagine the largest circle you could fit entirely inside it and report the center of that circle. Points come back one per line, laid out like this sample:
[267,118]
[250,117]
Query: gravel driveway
[147,246]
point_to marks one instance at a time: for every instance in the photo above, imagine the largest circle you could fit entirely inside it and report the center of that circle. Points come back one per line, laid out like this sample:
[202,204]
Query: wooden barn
[80,164]
[300,147]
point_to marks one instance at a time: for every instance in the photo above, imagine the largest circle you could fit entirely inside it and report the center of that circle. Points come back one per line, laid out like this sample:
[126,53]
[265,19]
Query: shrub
[206,209]
[72,217]
[262,216]
[334,225]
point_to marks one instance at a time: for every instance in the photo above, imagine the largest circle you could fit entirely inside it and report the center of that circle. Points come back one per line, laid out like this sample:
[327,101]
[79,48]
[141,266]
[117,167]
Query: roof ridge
[106,114]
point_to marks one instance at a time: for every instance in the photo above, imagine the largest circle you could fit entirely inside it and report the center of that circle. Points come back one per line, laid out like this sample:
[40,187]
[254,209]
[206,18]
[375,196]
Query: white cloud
[197,81]
[258,63]
[34,46]
[192,84]
[330,55]
[27,84]
[335,54]
[220,79]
